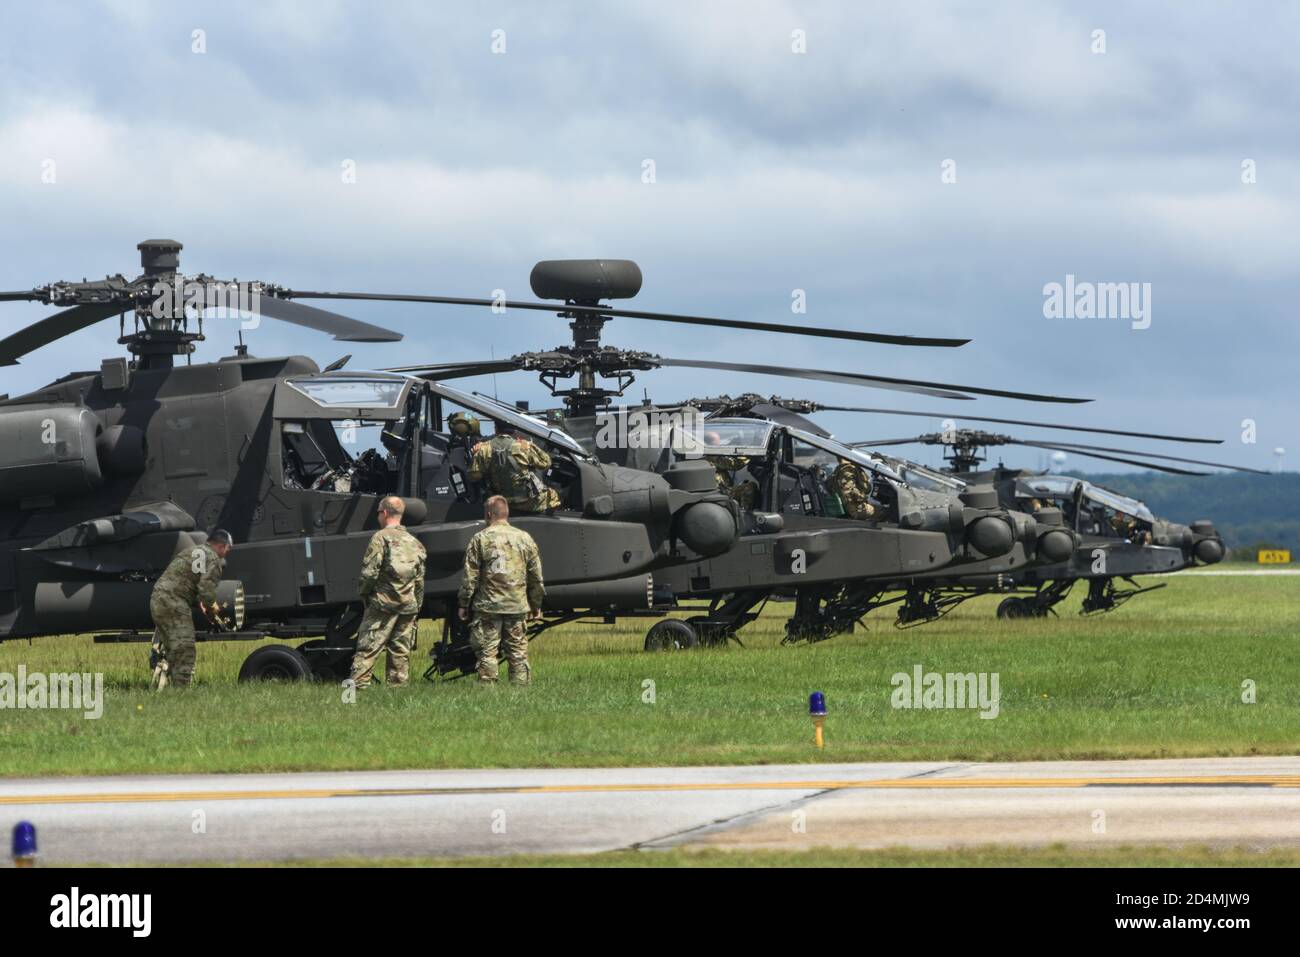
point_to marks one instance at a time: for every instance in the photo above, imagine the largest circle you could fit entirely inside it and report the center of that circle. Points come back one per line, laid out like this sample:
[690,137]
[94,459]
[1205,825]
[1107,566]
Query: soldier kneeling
[511,463]
[192,576]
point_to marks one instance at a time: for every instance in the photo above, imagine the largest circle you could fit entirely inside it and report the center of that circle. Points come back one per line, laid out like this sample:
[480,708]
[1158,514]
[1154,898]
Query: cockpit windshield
[372,392]
[834,451]
[1065,487]
[917,476]
[724,437]
[499,411]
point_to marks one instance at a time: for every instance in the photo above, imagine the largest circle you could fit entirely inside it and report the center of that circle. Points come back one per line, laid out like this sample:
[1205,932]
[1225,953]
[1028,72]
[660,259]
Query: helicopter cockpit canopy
[743,437]
[1065,487]
[831,452]
[919,476]
[492,409]
[335,395]
[335,430]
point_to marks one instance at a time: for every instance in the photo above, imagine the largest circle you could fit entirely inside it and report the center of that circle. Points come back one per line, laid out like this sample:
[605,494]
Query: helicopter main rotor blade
[922,440]
[784,416]
[594,311]
[1071,447]
[28,294]
[1109,458]
[942,389]
[457,370]
[53,328]
[460,369]
[343,328]
[898,385]
[871,443]
[1039,425]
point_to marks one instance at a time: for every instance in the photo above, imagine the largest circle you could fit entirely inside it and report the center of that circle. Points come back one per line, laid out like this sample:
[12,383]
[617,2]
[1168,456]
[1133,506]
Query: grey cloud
[775,172]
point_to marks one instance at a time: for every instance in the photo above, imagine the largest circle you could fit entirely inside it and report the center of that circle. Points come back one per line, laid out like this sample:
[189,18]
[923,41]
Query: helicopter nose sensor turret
[1208,547]
[1055,542]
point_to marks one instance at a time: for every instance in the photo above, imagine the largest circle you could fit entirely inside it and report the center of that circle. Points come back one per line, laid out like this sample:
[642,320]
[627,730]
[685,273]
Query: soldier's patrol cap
[221,537]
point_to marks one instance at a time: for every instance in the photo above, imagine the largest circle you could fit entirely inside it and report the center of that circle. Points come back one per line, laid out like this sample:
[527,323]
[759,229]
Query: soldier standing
[501,588]
[192,576]
[850,482]
[392,585]
[510,463]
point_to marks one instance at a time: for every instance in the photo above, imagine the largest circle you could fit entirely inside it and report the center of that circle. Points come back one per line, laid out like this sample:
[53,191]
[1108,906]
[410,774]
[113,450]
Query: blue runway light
[24,842]
[817,704]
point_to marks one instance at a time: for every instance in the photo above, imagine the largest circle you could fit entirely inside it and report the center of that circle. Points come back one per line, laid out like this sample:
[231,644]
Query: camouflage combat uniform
[192,576]
[509,465]
[854,490]
[502,583]
[723,467]
[392,584]
[1127,527]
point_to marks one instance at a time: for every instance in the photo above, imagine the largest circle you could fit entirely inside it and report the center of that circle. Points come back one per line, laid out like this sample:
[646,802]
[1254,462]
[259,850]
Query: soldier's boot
[520,672]
[397,677]
[160,676]
[398,672]
[489,669]
[181,659]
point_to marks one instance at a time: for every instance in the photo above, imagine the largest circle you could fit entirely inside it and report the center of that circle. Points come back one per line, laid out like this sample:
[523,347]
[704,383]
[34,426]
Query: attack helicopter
[787,539]
[1116,537]
[107,474]
[833,564]
[1103,536]
[845,566]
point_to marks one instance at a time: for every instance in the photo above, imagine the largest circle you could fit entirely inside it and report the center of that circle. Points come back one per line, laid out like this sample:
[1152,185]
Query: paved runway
[1218,801]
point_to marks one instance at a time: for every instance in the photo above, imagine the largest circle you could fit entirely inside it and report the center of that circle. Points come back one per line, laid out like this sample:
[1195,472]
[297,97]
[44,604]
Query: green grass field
[1160,677]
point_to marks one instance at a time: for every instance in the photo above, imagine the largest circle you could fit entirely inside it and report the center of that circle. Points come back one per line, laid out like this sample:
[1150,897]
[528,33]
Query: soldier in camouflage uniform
[192,577]
[724,469]
[1127,527]
[392,584]
[510,465]
[850,482]
[501,589]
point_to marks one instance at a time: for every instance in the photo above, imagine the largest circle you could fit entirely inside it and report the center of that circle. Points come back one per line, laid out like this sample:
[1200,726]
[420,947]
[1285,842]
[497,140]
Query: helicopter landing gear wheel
[1017,608]
[671,634]
[275,663]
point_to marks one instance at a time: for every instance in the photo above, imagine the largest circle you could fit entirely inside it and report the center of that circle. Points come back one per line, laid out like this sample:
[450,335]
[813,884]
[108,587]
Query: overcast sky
[774,170]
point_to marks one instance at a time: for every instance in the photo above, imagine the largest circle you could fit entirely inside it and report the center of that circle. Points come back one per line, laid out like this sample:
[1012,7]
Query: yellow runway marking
[147,797]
